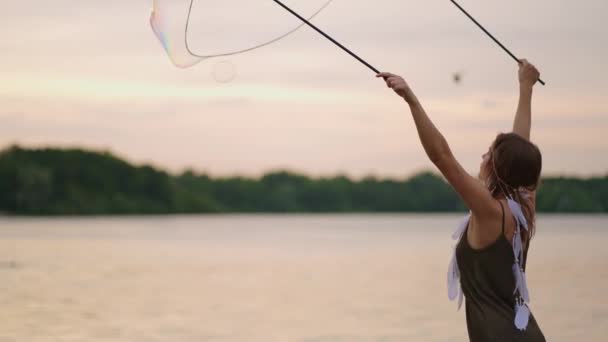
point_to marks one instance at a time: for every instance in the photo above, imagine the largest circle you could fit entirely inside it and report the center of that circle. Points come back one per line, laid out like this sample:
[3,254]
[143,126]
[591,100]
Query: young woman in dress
[488,266]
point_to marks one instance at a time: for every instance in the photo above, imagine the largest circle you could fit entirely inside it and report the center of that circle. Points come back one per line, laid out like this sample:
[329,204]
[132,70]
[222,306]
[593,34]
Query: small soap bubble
[224,71]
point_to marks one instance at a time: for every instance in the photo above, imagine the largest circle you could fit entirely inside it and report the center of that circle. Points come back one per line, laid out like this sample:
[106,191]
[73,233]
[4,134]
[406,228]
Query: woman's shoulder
[486,228]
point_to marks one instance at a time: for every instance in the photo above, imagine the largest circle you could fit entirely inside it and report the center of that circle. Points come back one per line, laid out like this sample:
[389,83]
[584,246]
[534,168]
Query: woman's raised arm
[469,188]
[528,75]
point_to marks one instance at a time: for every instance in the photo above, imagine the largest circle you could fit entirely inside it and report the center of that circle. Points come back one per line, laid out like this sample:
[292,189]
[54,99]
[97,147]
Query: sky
[92,74]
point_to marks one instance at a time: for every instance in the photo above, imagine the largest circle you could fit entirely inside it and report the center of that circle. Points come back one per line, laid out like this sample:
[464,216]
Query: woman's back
[488,283]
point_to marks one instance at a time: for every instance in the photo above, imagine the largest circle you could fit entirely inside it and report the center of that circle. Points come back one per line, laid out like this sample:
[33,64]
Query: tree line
[52,181]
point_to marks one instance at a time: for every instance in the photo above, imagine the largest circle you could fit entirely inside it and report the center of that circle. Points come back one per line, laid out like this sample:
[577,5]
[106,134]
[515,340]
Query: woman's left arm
[470,189]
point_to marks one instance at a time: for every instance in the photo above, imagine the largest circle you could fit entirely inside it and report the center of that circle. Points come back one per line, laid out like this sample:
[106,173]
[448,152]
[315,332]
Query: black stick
[327,36]
[491,36]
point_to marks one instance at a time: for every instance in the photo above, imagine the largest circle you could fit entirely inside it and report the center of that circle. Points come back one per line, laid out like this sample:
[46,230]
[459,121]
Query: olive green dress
[488,284]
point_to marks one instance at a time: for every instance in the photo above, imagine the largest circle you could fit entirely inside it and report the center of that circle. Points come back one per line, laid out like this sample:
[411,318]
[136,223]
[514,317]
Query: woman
[489,260]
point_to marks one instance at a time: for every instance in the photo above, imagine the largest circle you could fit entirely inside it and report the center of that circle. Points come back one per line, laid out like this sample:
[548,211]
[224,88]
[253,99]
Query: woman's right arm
[528,75]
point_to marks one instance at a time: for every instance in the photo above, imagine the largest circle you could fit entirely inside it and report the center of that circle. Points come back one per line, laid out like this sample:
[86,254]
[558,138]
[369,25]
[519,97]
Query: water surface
[276,278]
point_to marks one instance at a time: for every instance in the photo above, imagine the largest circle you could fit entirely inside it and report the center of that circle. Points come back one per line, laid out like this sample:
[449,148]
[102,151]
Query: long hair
[514,167]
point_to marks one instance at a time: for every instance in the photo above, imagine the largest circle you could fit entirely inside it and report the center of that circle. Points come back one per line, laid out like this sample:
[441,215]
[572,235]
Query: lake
[308,278]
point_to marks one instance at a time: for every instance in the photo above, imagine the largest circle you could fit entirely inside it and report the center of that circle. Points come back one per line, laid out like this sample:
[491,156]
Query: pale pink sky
[91,74]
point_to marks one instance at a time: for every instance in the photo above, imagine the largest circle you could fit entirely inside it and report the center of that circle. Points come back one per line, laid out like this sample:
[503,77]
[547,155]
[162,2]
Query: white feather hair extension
[522,316]
[518,248]
[518,213]
[521,283]
[522,312]
[461,228]
[523,291]
[518,277]
[453,278]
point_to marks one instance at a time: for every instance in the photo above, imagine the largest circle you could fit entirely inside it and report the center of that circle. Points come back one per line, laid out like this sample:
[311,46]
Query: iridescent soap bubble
[191,32]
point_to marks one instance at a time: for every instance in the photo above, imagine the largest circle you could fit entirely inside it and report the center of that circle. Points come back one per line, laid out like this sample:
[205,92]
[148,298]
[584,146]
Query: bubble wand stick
[490,35]
[327,36]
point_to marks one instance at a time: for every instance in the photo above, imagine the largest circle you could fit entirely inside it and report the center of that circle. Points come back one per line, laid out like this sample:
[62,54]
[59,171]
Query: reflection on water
[275,278]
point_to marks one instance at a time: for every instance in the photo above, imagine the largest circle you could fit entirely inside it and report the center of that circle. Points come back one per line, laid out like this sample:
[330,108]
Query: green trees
[573,195]
[63,182]
[77,182]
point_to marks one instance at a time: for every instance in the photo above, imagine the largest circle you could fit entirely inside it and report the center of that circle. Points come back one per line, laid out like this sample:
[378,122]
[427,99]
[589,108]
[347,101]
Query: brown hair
[515,164]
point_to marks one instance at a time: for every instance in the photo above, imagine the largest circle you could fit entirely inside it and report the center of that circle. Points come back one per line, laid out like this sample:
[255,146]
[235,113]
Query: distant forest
[76,182]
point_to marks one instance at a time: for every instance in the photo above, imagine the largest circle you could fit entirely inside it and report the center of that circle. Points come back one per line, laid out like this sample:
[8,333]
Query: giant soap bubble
[192,31]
